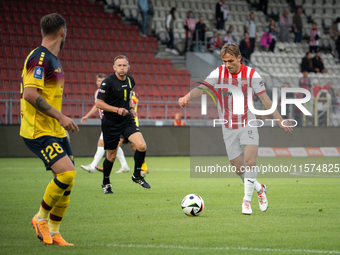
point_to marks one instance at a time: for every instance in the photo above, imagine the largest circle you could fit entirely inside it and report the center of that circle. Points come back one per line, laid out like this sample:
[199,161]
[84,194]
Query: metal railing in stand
[199,43]
[8,110]
[318,114]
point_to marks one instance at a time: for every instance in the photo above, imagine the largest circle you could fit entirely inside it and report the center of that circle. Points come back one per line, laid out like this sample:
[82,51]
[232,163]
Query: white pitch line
[162,246]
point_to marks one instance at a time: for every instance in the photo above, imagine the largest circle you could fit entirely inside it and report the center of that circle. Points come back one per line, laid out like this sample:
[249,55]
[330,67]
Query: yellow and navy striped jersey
[43,71]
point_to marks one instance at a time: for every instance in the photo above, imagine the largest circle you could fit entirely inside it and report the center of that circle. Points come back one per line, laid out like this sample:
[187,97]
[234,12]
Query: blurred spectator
[318,62]
[263,6]
[304,81]
[151,13]
[323,104]
[266,40]
[250,28]
[233,36]
[314,38]
[199,35]
[227,38]
[245,49]
[216,41]
[169,24]
[335,34]
[219,43]
[271,29]
[143,9]
[316,87]
[307,64]
[297,25]
[189,26]
[285,26]
[221,14]
[178,120]
[332,92]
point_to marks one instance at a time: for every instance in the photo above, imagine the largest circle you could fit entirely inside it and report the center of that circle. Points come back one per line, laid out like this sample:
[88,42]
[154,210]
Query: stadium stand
[96,36]
[322,11]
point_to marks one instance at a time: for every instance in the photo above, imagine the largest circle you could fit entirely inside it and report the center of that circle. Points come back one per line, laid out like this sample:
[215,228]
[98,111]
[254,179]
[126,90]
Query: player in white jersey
[100,146]
[241,139]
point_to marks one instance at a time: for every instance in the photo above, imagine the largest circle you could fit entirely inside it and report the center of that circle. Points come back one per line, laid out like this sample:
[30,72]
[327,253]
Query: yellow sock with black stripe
[54,191]
[59,209]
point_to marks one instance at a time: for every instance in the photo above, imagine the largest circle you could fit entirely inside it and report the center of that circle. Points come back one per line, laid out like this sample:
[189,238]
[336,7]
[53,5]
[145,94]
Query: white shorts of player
[101,136]
[235,139]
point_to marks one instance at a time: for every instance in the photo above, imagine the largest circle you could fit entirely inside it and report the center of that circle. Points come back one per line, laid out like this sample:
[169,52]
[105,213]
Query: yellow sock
[53,227]
[54,191]
[59,209]
[144,167]
[42,214]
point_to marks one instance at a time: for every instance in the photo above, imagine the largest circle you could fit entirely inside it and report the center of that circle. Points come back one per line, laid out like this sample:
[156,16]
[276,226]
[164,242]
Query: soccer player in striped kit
[241,140]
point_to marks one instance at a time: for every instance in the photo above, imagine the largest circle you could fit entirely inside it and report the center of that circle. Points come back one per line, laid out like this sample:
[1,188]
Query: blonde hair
[231,48]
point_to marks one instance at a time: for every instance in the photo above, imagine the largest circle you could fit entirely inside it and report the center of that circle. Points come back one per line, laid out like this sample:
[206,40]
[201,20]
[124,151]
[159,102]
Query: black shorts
[112,130]
[50,149]
[125,140]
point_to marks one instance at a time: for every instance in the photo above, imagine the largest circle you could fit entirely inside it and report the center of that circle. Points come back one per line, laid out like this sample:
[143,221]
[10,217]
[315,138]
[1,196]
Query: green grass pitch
[303,215]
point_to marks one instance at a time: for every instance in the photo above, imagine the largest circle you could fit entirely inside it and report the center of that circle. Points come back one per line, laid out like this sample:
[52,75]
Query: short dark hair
[100,75]
[52,23]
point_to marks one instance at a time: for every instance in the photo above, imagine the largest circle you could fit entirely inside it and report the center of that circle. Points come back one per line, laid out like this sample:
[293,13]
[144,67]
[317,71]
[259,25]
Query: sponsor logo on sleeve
[38,72]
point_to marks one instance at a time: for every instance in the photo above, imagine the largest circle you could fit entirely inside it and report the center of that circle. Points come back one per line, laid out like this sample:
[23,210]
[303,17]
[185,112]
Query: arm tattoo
[42,104]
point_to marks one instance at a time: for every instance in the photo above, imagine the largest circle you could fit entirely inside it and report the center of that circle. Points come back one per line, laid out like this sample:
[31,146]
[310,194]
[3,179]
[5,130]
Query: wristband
[131,108]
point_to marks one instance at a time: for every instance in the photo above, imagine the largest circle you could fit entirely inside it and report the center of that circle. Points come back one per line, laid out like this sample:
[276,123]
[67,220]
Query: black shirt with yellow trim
[116,93]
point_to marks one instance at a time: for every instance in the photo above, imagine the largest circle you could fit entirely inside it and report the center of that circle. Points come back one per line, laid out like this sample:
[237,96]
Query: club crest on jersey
[58,70]
[38,72]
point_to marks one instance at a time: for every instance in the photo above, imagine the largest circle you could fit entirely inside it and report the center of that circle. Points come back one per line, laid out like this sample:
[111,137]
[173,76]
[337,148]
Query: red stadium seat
[94,39]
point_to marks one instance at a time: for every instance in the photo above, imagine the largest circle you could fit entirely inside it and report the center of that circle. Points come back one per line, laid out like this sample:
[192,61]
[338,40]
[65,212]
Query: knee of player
[142,147]
[66,177]
[111,155]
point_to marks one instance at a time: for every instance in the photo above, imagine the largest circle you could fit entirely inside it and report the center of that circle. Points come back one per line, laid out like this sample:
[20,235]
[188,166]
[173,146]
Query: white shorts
[101,136]
[235,139]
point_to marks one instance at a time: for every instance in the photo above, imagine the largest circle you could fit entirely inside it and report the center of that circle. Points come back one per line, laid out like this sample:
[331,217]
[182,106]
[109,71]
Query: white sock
[121,157]
[249,184]
[98,156]
[257,187]
[40,219]
[241,176]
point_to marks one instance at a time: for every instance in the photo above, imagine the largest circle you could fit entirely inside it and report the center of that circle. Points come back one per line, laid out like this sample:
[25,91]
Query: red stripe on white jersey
[243,80]
[245,84]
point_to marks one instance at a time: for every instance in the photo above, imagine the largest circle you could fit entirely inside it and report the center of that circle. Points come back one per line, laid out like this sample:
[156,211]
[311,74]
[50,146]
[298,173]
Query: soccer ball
[192,205]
